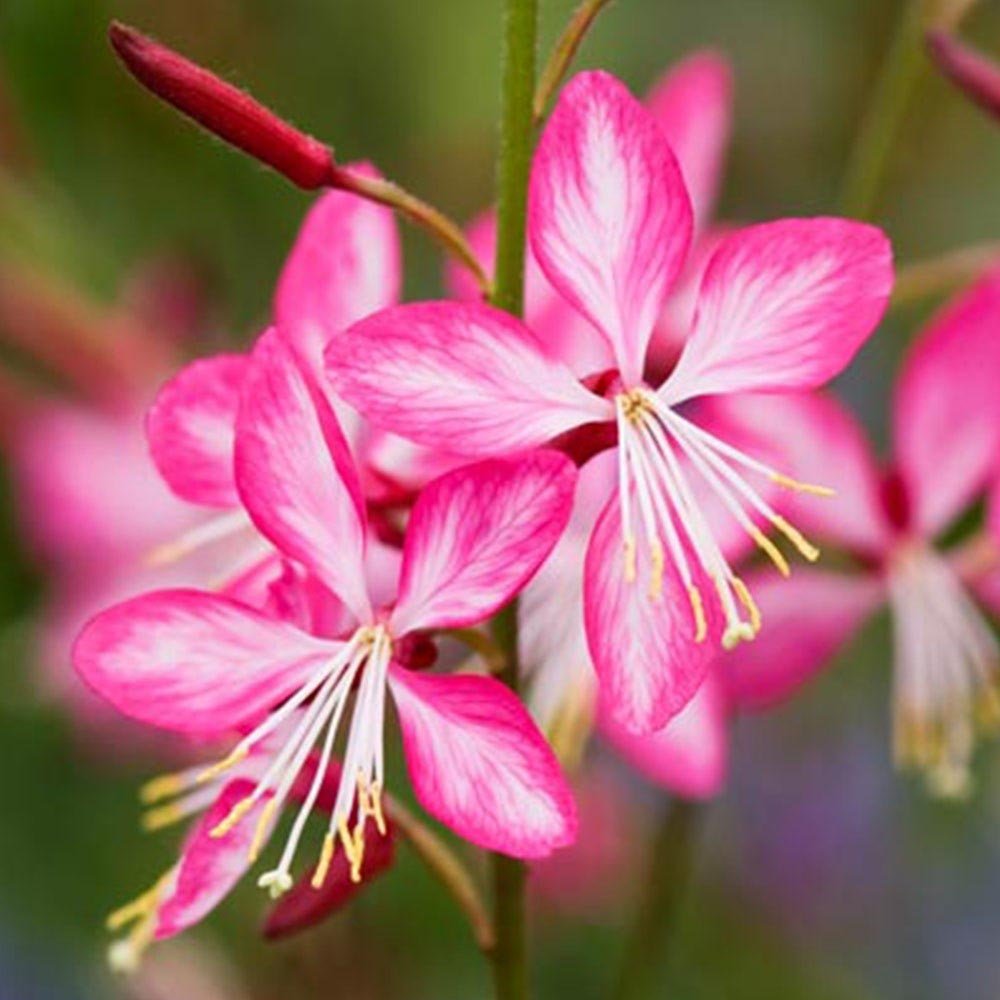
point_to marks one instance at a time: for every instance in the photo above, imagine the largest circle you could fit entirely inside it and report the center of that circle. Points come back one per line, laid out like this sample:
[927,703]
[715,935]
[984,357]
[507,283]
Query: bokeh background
[821,873]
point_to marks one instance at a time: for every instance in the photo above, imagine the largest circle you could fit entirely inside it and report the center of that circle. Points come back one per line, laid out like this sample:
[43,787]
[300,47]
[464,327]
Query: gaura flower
[946,436]
[204,664]
[782,306]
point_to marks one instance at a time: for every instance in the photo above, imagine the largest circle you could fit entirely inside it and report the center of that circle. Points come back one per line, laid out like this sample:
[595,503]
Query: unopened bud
[223,109]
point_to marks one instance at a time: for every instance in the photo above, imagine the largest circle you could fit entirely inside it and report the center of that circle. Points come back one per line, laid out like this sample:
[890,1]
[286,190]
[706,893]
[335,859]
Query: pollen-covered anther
[220,767]
[163,816]
[325,859]
[260,832]
[793,484]
[749,604]
[232,818]
[698,611]
[806,549]
[655,570]
[164,786]
[628,547]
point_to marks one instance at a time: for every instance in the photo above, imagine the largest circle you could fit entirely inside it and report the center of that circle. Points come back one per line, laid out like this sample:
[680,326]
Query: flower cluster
[388,477]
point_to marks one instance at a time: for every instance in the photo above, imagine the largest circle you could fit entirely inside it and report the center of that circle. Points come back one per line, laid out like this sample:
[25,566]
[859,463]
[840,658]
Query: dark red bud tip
[975,75]
[225,111]
[303,906]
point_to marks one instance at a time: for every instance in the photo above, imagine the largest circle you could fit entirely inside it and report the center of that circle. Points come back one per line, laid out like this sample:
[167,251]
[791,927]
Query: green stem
[510,963]
[671,857]
[897,78]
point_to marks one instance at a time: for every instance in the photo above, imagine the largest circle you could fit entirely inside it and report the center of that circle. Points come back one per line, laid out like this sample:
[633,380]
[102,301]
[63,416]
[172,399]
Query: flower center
[660,508]
[944,681]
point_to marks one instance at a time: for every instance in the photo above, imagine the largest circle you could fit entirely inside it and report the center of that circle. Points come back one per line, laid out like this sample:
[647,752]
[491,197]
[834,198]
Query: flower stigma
[659,507]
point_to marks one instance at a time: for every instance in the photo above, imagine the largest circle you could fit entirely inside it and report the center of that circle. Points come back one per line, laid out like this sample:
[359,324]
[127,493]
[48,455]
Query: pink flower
[782,306]
[946,431]
[204,664]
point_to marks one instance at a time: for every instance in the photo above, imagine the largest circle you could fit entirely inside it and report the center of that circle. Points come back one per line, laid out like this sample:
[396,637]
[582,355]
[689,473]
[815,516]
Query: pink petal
[480,766]
[190,430]
[644,650]
[814,438]
[609,217]
[193,662]
[345,264]
[806,620]
[464,377]
[693,104]
[477,535]
[784,306]
[946,411]
[210,867]
[690,755]
[296,475]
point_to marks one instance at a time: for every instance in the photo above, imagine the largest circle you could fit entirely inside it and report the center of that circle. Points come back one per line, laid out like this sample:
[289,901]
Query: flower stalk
[670,865]
[236,118]
[944,273]
[510,968]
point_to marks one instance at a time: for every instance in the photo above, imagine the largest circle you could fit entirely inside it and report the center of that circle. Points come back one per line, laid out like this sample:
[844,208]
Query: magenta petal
[296,475]
[477,535]
[693,104]
[459,376]
[609,216]
[690,755]
[210,866]
[806,620]
[946,411]
[193,662]
[190,429]
[644,650]
[479,764]
[784,306]
[345,264]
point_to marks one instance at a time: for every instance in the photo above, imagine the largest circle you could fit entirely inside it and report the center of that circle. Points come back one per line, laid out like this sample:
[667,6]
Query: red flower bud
[225,111]
[303,906]
[974,74]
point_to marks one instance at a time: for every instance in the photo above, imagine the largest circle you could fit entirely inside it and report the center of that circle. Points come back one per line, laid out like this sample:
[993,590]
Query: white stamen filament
[209,532]
[944,678]
[657,499]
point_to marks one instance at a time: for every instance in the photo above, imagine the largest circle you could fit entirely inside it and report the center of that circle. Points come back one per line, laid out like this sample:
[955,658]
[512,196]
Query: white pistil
[944,680]
[658,504]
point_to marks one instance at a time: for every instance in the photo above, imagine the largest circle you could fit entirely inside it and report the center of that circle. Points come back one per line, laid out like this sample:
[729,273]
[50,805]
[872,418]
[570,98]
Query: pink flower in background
[203,664]
[946,434]
[782,306]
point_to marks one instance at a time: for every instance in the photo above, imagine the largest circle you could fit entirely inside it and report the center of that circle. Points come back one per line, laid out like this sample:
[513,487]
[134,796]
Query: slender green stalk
[937,275]
[670,863]
[510,964]
[897,78]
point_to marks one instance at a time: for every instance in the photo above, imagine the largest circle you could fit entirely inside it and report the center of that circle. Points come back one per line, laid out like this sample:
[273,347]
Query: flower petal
[690,755]
[480,766]
[806,620]
[210,867]
[193,662]
[946,411]
[345,264]
[190,429]
[609,217]
[693,105]
[477,535]
[784,306]
[644,650]
[296,475]
[459,376]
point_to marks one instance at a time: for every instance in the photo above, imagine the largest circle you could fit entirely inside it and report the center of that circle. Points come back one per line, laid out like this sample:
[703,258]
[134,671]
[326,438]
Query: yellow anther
[630,560]
[698,610]
[376,807]
[771,551]
[223,765]
[746,599]
[163,816]
[656,569]
[794,484]
[141,906]
[260,832]
[163,786]
[359,850]
[806,549]
[235,815]
[325,858]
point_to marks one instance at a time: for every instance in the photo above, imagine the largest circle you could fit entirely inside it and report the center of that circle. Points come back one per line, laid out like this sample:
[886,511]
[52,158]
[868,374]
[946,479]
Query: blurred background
[821,875]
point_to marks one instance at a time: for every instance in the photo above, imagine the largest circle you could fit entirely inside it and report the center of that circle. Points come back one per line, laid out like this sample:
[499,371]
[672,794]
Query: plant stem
[510,965]
[936,275]
[897,78]
[563,53]
[671,857]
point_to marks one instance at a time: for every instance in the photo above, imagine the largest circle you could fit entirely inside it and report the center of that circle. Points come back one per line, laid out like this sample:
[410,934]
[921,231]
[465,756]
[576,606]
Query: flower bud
[974,74]
[224,110]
